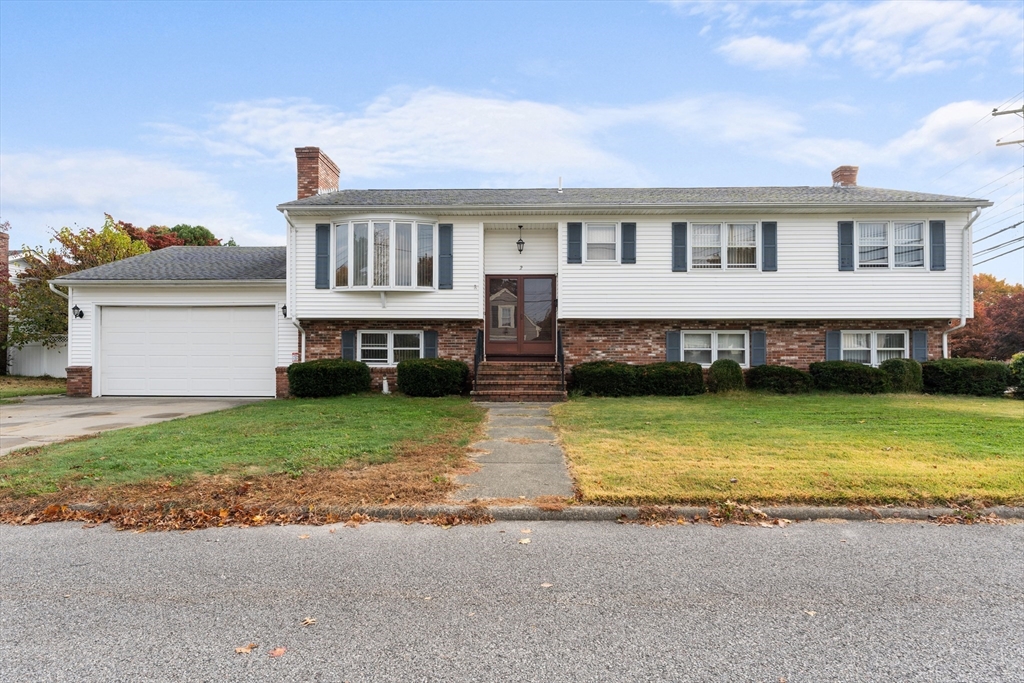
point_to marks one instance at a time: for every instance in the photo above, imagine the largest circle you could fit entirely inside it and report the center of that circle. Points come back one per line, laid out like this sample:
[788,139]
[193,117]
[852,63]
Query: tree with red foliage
[997,329]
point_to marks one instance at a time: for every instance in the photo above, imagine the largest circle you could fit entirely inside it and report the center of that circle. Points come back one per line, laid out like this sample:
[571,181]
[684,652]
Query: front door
[520,316]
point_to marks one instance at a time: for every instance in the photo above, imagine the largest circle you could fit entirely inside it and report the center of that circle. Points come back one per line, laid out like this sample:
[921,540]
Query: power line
[989,114]
[999,256]
[996,180]
[989,220]
[997,232]
[999,246]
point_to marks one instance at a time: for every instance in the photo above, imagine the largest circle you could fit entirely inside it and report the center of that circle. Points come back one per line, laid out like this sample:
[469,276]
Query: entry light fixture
[520,243]
[77,312]
[284,310]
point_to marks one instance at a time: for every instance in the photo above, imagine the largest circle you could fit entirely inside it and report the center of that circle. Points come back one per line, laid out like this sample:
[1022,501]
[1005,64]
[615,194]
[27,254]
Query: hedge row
[432,377]
[336,377]
[904,375]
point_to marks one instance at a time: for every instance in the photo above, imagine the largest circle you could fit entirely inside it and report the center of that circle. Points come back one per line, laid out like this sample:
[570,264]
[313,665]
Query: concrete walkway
[520,457]
[39,420]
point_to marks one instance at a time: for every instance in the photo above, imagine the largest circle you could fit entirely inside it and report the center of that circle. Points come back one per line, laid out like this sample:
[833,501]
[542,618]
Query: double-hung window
[890,244]
[601,241]
[705,347]
[874,348]
[724,245]
[384,254]
[389,348]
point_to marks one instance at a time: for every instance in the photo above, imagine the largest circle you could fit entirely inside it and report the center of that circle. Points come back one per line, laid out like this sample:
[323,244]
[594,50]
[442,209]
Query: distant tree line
[997,330]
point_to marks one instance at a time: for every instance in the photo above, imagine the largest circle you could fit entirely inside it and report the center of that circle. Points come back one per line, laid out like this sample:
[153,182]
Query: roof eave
[64,282]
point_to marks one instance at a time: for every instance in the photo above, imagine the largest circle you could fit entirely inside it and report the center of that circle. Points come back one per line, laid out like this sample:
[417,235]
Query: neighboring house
[35,359]
[180,321]
[781,275]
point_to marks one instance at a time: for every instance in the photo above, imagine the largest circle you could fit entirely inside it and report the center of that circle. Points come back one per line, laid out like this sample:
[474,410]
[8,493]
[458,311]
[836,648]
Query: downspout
[53,288]
[291,287]
[965,281]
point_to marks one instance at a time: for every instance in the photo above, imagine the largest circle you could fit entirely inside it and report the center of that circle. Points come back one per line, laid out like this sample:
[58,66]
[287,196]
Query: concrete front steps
[519,381]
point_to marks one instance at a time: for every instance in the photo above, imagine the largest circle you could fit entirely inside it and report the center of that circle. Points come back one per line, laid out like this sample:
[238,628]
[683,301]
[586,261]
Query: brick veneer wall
[796,343]
[281,388]
[456,339]
[79,381]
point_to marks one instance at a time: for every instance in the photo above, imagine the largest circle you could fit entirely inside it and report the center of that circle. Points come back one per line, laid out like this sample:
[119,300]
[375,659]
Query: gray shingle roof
[653,196]
[192,263]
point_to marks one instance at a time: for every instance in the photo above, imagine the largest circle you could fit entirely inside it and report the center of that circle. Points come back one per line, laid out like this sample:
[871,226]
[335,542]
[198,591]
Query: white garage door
[187,351]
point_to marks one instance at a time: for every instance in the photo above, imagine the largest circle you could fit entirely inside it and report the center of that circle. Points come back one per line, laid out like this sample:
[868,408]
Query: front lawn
[371,449]
[16,385]
[822,448]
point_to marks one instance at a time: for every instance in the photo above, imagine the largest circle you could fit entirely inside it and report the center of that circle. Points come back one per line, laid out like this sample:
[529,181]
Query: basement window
[389,347]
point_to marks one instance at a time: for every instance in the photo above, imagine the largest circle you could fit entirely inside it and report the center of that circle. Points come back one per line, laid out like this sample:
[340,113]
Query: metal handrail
[478,356]
[560,357]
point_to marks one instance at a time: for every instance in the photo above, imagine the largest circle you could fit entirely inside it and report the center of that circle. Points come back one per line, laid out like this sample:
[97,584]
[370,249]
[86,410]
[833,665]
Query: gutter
[289,295]
[965,280]
[57,291]
[162,283]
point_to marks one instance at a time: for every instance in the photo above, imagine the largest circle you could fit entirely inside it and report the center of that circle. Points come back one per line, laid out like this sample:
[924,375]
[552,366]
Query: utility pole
[1018,112]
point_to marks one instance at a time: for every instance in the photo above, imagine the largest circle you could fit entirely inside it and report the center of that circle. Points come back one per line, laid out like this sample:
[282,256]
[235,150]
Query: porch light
[79,313]
[520,243]
[284,310]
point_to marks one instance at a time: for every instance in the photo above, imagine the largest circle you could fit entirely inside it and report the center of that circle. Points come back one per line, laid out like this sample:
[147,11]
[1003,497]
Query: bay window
[384,254]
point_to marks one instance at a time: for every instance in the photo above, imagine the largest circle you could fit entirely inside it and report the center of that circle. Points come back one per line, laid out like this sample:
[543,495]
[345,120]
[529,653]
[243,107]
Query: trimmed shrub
[432,377]
[852,378]
[966,376]
[607,378]
[725,375]
[672,379]
[904,375]
[328,377]
[1017,374]
[780,379]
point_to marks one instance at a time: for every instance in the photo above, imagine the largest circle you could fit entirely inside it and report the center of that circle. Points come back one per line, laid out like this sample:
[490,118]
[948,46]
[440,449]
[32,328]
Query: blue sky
[189,112]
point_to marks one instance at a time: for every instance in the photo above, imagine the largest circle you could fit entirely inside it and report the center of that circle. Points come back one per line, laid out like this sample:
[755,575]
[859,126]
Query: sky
[166,113]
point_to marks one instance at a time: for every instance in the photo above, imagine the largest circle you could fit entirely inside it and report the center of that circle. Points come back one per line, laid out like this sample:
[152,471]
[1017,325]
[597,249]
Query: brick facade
[80,381]
[456,339]
[796,343]
[281,388]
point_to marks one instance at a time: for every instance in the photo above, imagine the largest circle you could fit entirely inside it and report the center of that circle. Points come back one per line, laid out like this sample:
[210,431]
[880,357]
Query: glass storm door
[521,315]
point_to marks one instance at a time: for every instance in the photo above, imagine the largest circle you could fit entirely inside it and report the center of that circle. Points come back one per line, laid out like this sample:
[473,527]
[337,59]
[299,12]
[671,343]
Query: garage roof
[191,264]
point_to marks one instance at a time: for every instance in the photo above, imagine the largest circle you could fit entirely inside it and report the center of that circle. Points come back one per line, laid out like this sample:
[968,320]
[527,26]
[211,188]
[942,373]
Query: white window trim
[724,246]
[392,245]
[714,344]
[618,243]
[873,342]
[891,244]
[391,346]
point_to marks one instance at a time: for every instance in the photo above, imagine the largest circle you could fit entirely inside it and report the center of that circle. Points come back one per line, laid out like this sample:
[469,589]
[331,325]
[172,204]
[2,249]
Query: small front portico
[520,290]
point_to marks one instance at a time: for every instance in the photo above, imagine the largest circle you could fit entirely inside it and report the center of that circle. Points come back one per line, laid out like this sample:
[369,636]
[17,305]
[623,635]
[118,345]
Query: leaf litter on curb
[308,621]
[246,649]
[278,651]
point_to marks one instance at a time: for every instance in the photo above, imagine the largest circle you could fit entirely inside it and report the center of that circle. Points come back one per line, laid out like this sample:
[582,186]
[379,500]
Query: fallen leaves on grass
[245,649]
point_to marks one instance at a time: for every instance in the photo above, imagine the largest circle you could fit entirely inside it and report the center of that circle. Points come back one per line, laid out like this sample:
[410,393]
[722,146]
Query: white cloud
[52,189]
[765,53]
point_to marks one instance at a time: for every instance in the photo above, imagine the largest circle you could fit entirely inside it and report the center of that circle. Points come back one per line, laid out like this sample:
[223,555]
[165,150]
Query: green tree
[36,313]
[195,235]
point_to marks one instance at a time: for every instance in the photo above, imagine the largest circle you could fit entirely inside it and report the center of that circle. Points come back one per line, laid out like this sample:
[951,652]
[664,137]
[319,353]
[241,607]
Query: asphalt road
[859,601]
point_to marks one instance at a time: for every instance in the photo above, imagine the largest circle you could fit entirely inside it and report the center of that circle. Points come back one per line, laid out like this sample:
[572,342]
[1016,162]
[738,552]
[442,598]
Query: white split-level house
[545,278]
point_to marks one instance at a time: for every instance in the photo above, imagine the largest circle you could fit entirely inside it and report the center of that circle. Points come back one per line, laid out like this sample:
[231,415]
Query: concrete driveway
[40,420]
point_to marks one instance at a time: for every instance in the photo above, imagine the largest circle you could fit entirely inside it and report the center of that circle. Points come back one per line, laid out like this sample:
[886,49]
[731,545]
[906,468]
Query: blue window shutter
[323,256]
[937,230]
[845,245]
[679,247]
[758,347]
[629,242]
[672,350]
[833,345]
[348,344]
[769,247]
[574,245]
[430,344]
[919,345]
[445,261]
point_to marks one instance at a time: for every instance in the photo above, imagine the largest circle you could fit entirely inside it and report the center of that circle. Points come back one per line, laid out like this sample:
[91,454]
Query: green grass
[820,448]
[16,385]
[293,437]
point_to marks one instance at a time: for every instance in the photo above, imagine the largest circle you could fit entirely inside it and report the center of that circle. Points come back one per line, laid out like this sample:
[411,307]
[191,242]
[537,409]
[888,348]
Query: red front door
[520,316]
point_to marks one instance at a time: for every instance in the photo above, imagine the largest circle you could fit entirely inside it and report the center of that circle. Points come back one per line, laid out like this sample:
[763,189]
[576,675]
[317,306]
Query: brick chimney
[316,172]
[845,176]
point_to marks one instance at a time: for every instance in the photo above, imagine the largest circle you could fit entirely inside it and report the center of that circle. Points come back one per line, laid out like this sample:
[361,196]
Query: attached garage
[181,321]
[187,350]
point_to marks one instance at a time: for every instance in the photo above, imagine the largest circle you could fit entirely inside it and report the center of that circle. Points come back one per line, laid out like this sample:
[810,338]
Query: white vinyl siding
[539,257]
[874,347]
[707,346]
[807,285]
[376,347]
